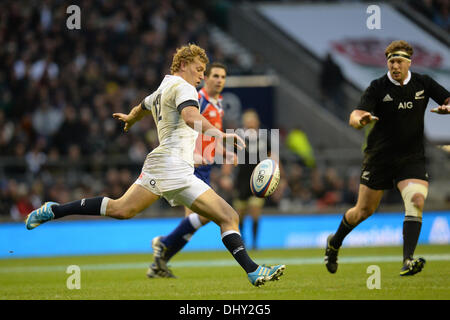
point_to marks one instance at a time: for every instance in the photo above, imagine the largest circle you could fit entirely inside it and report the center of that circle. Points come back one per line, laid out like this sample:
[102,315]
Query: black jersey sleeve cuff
[188,103]
[143,106]
[363,108]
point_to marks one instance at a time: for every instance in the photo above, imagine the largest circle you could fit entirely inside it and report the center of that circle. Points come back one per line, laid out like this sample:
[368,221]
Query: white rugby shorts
[173,180]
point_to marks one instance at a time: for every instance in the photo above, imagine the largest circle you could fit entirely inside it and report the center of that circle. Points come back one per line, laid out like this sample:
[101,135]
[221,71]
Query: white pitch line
[221,263]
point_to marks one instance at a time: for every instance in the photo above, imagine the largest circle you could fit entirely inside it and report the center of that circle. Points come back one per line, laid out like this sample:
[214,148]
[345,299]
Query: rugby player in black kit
[395,151]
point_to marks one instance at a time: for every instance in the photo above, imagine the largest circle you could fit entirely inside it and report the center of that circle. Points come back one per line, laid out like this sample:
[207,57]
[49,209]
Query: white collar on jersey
[213,101]
[398,83]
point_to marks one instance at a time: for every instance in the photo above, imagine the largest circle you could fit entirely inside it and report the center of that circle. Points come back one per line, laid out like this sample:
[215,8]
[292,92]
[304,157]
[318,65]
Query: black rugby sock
[233,242]
[90,206]
[411,232]
[344,229]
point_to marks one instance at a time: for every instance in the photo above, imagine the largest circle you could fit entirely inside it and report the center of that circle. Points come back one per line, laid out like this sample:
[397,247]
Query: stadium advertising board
[249,92]
[276,231]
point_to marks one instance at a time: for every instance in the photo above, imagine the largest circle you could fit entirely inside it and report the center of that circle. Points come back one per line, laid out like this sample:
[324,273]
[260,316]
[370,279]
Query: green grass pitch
[216,276]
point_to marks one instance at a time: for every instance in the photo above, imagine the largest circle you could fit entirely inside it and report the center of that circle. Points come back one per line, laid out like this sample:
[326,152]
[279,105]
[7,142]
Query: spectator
[331,83]
[441,15]
[333,187]
[21,201]
[297,141]
[47,120]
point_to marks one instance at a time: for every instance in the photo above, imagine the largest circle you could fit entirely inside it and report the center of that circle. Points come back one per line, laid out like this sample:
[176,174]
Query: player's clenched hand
[367,118]
[125,118]
[444,109]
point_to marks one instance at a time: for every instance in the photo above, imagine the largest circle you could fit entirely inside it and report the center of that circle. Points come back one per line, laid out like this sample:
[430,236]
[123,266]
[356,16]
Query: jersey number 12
[157,105]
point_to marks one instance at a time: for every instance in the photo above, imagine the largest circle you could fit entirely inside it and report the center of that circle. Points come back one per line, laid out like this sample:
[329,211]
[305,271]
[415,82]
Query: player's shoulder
[382,81]
[416,75]
[176,82]
[423,78]
[377,85]
[178,87]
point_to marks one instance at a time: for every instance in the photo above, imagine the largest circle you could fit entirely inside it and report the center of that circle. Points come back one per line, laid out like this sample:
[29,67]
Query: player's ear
[182,65]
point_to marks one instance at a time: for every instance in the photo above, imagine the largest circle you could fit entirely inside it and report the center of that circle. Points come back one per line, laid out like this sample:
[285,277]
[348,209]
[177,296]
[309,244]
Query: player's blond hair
[399,45]
[186,54]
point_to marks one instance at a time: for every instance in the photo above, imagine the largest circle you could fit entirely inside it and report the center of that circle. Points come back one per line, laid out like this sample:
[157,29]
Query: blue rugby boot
[263,274]
[41,215]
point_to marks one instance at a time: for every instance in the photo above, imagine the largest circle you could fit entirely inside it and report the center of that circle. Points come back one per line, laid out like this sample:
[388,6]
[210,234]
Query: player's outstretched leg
[41,215]
[135,199]
[412,266]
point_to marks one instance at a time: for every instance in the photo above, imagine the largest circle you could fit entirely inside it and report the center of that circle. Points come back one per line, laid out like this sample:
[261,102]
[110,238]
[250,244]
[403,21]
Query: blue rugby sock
[181,235]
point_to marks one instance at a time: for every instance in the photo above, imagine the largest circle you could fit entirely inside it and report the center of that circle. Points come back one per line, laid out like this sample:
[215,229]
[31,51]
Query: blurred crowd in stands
[435,10]
[59,88]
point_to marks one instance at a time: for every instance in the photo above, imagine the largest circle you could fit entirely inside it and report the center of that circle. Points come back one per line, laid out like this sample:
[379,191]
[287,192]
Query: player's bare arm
[360,118]
[444,109]
[192,116]
[135,115]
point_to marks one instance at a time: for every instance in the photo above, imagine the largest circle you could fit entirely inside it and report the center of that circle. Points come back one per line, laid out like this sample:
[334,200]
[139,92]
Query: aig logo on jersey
[405,105]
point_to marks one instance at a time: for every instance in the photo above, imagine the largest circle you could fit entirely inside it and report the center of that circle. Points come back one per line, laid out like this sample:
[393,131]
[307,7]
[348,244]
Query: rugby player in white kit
[168,170]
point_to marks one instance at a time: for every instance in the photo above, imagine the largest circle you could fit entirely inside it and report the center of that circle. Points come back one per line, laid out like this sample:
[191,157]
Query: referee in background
[395,151]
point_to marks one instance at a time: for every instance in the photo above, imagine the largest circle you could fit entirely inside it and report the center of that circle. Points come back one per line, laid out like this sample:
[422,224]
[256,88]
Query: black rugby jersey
[399,134]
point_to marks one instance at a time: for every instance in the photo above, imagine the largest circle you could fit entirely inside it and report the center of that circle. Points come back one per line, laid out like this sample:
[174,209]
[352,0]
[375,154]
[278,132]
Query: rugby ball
[265,178]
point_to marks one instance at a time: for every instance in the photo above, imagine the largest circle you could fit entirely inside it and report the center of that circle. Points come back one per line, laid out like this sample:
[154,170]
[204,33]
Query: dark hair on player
[210,66]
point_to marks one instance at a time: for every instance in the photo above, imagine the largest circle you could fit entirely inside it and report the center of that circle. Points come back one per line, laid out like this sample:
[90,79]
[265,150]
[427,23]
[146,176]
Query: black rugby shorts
[387,176]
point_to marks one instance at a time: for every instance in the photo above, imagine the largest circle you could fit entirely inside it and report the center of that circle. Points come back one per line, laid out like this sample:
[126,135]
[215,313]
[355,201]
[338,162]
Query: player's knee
[123,215]
[419,201]
[203,220]
[414,195]
[229,217]
[121,212]
[365,212]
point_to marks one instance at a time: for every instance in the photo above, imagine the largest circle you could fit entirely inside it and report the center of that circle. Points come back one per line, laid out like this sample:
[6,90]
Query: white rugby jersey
[176,138]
